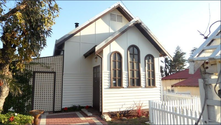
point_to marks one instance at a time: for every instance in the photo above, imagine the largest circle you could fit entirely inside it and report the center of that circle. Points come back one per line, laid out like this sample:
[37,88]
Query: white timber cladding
[78,71]
[49,64]
[123,98]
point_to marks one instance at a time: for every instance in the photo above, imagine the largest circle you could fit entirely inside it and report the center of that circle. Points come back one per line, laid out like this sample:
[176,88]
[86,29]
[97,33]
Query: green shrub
[21,103]
[15,119]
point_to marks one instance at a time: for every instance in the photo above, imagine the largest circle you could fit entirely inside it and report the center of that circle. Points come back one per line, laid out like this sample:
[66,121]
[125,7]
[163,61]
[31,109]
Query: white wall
[122,98]
[78,71]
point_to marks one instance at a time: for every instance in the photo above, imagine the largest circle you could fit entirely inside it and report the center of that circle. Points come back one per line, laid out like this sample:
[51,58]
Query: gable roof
[184,74]
[191,81]
[209,50]
[132,22]
[142,28]
[60,42]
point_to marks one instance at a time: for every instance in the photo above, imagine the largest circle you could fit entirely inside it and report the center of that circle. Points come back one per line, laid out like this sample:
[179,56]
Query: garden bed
[129,117]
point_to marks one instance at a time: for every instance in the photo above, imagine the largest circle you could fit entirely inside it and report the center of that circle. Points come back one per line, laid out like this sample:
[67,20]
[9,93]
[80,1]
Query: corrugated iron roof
[179,75]
[191,81]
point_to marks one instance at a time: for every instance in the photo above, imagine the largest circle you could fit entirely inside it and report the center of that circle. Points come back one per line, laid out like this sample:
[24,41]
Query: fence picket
[162,115]
[179,120]
[150,111]
[154,114]
[183,118]
[165,115]
[187,114]
[184,111]
[195,116]
[191,112]
[171,115]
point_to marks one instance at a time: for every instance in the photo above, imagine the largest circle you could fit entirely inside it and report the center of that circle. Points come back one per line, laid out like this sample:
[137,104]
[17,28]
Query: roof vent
[76,25]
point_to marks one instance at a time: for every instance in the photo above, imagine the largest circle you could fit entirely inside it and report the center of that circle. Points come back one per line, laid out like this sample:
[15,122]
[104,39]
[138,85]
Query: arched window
[116,70]
[150,73]
[134,66]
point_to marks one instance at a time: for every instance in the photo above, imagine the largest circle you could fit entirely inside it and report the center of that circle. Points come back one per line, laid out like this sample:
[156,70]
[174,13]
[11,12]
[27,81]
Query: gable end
[60,43]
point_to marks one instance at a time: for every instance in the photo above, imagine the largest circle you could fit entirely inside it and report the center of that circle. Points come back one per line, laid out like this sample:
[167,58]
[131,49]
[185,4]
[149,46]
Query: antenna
[209,18]
[205,37]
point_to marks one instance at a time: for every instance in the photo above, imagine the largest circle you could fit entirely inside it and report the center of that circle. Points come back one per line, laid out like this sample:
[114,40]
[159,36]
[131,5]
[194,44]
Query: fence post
[202,98]
[150,112]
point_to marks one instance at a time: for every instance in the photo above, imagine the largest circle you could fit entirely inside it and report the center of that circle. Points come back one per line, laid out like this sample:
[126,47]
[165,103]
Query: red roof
[179,75]
[191,81]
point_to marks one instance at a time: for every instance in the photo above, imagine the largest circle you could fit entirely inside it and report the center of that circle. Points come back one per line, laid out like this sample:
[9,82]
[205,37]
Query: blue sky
[174,23]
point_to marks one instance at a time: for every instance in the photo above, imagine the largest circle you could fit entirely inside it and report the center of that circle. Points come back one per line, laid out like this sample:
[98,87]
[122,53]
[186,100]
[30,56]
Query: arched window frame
[149,70]
[135,71]
[111,70]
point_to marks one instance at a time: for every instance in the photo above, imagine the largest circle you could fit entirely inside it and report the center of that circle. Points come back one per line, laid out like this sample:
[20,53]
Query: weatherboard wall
[116,99]
[168,83]
[78,70]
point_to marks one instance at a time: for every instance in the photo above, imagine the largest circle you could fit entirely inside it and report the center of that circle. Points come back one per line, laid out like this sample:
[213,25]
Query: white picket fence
[185,111]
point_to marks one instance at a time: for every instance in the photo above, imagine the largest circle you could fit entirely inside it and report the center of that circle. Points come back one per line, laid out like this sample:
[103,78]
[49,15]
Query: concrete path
[70,118]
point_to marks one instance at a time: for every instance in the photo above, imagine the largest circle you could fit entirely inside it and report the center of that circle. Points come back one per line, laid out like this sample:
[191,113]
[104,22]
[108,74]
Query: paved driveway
[70,118]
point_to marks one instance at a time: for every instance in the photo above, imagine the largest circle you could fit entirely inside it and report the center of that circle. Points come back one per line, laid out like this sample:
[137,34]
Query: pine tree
[178,63]
[175,65]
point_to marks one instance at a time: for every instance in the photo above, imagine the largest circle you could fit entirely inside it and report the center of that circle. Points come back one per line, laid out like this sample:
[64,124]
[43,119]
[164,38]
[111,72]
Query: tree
[24,30]
[192,51]
[175,65]
[179,61]
[165,70]
[20,103]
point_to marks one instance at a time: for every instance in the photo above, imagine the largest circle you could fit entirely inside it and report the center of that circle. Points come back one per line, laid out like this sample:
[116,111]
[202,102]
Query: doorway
[96,88]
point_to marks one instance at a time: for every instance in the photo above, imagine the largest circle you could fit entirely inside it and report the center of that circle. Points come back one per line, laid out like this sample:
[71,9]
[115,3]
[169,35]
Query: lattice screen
[44,91]
[54,64]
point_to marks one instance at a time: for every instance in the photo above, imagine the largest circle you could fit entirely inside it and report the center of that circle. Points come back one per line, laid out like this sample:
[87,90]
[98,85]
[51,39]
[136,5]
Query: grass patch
[132,121]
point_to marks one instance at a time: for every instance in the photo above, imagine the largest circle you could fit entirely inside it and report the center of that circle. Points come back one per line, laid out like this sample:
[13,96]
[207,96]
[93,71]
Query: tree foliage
[175,65]
[165,70]
[24,30]
[21,103]
[179,61]
[193,50]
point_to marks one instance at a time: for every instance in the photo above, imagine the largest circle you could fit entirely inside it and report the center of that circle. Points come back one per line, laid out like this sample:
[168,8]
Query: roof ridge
[65,37]
[94,18]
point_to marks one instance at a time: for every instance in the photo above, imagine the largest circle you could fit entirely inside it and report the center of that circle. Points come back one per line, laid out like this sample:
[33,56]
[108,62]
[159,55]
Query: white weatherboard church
[110,62]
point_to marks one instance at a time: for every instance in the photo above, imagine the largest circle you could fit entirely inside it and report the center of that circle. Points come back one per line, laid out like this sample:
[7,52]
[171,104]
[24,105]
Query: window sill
[134,87]
[116,87]
[151,86]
